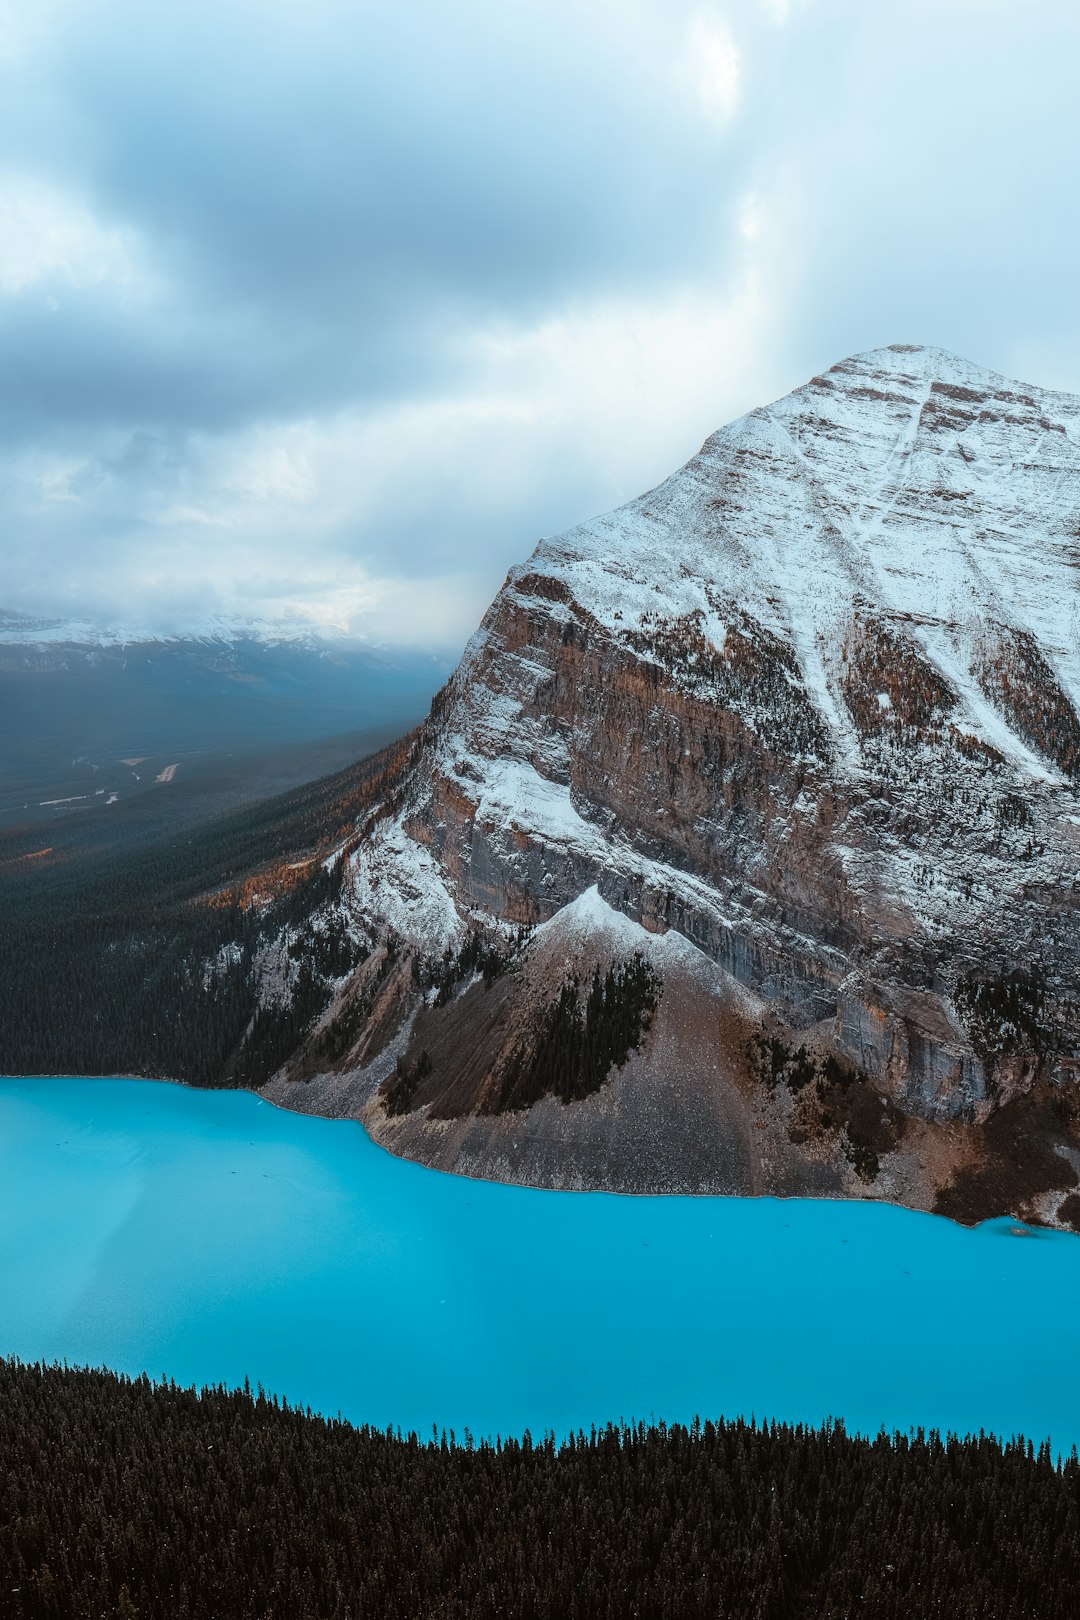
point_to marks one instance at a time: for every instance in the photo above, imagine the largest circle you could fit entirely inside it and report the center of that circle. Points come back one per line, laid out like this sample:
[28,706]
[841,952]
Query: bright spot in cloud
[716,67]
[780,11]
[276,468]
[751,217]
[50,237]
[333,310]
[174,515]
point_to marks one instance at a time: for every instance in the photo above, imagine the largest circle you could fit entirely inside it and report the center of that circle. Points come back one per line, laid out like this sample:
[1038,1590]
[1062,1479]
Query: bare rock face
[811,704]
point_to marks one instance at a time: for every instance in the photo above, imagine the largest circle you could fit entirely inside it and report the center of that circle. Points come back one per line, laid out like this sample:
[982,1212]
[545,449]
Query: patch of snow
[590,920]
[395,880]
[515,796]
[582,919]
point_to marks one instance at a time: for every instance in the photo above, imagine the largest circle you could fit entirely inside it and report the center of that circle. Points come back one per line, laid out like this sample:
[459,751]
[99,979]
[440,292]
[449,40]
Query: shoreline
[735,1253]
[1021,1228]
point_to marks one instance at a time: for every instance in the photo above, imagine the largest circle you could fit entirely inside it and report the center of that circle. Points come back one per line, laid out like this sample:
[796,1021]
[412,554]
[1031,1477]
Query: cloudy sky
[332,308]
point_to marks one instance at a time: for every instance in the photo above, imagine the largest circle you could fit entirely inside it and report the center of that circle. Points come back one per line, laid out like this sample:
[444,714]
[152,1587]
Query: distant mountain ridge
[89,713]
[45,630]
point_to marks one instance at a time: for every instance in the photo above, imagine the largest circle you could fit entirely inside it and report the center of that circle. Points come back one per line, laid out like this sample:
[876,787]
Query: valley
[227,716]
[738,855]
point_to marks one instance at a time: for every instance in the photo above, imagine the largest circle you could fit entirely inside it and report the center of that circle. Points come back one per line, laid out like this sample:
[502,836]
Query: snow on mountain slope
[907,480]
[811,703]
[905,484]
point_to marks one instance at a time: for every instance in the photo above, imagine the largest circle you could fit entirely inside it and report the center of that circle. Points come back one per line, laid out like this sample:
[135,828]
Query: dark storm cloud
[79,360]
[333,308]
[328,193]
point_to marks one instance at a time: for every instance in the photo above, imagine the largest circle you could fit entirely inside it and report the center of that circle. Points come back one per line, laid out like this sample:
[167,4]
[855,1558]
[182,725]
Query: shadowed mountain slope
[811,704]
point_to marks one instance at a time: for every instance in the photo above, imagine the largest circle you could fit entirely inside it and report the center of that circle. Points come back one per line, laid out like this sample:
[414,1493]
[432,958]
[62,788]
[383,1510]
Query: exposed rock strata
[810,706]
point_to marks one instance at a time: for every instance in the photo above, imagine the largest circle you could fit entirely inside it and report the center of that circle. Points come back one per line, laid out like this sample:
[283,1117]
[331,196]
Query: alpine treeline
[128,1499]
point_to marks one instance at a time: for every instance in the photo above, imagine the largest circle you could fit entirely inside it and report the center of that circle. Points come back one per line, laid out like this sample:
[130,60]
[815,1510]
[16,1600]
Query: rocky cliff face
[810,706]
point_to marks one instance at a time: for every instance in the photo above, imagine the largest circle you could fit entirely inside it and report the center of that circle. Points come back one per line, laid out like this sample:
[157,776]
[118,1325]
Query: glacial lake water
[208,1236]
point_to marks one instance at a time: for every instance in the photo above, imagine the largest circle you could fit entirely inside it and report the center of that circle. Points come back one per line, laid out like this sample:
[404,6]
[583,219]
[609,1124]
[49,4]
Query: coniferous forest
[124,1498]
[582,1039]
[103,956]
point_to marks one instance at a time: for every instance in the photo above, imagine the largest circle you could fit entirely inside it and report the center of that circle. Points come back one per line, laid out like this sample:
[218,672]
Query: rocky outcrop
[811,707]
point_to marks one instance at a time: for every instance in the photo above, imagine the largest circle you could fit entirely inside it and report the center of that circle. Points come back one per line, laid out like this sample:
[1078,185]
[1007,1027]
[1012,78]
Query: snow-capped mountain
[811,706]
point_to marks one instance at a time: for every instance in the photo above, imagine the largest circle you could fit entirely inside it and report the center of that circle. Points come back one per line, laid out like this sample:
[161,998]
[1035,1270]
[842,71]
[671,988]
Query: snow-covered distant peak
[588,927]
[28,630]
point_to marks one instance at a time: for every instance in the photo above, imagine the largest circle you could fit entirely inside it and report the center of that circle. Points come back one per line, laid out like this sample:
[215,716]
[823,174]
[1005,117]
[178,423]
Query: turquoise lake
[209,1237]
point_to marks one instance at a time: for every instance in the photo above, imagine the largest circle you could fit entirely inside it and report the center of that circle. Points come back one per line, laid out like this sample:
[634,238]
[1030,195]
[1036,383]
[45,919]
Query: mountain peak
[903,483]
[915,364]
[913,360]
[811,704]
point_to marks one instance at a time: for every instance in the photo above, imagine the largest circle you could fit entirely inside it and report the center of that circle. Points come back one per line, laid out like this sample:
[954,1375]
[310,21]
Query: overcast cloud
[332,309]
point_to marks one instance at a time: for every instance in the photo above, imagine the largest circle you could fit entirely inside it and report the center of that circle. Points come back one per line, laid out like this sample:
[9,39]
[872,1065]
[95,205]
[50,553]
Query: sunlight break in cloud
[777,11]
[50,237]
[316,304]
[716,66]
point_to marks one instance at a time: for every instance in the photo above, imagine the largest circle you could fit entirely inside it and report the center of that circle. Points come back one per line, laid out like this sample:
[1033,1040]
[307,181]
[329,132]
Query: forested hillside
[140,961]
[126,1499]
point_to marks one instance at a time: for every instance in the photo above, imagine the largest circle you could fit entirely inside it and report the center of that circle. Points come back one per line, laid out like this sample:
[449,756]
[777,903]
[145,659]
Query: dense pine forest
[103,958]
[125,1498]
